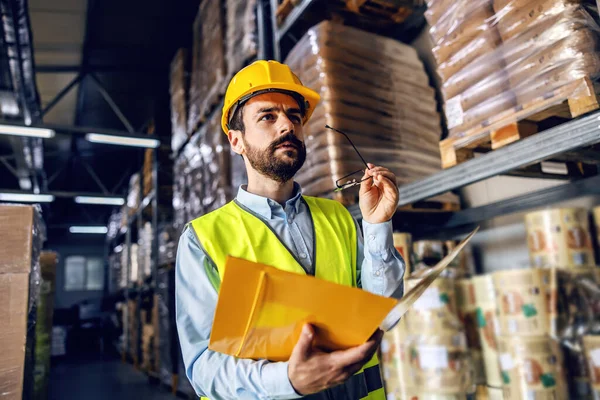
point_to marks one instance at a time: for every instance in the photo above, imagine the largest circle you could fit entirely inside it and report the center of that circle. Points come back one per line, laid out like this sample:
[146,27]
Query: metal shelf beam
[541,146]
[291,19]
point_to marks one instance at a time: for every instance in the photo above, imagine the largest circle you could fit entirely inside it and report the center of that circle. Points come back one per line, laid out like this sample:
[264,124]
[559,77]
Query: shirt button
[372,238]
[289,220]
[377,273]
[302,255]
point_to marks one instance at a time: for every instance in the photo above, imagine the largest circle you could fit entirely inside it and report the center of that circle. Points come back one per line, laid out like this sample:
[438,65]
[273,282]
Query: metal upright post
[126,332]
[155,219]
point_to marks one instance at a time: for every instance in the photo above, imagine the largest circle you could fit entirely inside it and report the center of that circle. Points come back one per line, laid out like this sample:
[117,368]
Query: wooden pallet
[523,120]
[284,9]
[430,205]
[384,9]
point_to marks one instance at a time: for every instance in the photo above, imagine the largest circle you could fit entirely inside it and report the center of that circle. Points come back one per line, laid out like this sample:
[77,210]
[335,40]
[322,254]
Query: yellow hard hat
[266,76]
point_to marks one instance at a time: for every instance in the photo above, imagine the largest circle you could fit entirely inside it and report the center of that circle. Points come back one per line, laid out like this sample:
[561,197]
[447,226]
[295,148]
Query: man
[271,222]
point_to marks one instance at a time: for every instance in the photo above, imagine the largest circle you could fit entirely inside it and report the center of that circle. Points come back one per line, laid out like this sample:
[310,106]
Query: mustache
[290,137]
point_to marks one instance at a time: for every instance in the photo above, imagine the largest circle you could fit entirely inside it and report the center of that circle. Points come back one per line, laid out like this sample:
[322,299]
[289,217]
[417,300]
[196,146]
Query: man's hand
[378,197]
[311,371]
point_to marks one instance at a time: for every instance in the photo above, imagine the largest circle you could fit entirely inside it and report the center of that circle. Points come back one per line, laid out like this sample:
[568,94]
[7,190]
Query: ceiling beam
[73,69]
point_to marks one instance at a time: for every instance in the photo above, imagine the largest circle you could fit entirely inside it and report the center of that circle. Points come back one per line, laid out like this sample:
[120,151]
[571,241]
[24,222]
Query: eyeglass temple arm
[349,141]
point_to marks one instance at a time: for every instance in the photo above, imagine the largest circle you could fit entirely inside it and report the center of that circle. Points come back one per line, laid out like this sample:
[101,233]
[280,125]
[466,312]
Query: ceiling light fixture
[123,140]
[102,230]
[109,201]
[27,197]
[28,131]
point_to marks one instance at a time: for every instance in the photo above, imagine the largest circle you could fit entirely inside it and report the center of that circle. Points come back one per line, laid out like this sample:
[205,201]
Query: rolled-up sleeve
[382,268]
[212,374]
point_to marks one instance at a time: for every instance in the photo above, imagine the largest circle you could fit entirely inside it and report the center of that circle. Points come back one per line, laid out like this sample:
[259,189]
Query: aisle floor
[101,380]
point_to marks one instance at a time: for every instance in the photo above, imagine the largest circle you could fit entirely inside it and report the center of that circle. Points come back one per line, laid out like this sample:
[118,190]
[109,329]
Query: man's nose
[285,125]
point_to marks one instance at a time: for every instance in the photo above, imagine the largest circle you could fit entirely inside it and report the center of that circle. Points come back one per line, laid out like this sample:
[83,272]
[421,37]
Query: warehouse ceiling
[121,47]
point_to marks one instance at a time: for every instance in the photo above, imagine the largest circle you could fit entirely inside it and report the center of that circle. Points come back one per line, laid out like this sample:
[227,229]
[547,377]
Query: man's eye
[266,117]
[295,119]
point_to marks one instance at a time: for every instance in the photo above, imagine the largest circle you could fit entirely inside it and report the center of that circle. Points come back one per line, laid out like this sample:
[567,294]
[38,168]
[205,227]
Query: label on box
[506,362]
[433,357]
[595,356]
[429,300]
[454,112]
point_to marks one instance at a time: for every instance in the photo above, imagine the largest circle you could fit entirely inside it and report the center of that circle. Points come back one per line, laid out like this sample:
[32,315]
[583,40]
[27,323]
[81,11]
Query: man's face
[273,139]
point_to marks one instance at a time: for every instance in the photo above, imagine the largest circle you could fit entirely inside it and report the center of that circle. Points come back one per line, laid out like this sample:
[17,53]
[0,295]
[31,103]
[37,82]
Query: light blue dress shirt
[380,269]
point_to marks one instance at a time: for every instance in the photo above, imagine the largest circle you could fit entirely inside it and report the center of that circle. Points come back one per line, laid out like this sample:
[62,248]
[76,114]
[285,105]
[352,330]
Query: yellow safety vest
[236,231]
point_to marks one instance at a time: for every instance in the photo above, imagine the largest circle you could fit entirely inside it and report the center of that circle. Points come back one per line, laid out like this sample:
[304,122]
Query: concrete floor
[101,380]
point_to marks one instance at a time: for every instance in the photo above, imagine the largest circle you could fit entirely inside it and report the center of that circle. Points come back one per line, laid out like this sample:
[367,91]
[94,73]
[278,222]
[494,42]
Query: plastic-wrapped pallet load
[208,81]
[403,243]
[179,98]
[134,194]
[376,90]
[145,250]
[503,61]
[241,42]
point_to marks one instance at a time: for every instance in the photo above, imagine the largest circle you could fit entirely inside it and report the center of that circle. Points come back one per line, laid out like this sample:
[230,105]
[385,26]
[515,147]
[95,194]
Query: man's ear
[236,142]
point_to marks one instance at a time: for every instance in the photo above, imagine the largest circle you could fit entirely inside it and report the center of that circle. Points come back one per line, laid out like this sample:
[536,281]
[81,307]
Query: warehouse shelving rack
[566,142]
[134,223]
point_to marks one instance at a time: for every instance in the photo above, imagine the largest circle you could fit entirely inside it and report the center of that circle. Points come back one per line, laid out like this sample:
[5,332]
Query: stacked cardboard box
[208,81]
[376,90]
[43,328]
[179,98]
[22,232]
[499,57]
[146,236]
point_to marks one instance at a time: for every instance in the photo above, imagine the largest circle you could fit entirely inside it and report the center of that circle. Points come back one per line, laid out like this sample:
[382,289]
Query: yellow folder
[261,310]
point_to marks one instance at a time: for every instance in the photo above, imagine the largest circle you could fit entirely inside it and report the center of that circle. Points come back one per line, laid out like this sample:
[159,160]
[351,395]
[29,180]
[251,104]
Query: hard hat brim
[309,95]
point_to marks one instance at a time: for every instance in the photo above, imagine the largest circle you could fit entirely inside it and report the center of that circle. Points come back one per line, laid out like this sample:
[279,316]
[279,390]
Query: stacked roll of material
[145,250]
[439,354]
[208,62]
[591,346]
[466,304]
[560,238]
[403,243]
[427,253]
[179,98]
[376,90]
[241,42]
[488,329]
[495,55]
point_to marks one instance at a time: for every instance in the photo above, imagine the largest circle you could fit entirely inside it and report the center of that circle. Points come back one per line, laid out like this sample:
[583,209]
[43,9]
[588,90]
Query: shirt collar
[264,206]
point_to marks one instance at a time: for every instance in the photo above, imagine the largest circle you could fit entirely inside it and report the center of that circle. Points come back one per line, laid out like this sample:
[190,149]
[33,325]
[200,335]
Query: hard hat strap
[299,98]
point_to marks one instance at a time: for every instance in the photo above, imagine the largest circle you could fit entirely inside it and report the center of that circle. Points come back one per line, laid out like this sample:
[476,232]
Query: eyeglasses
[354,182]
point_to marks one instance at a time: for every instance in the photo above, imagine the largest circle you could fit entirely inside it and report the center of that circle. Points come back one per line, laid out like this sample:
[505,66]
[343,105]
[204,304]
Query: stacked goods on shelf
[560,238]
[202,174]
[241,42]
[591,346]
[133,330]
[488,327]
[167,244]
[23,233]
[115,269]
[426,354]
[124,253]
[179,98]
[596,213]
[134,260]
[149,332]
[43,328]
[208,80]
[114,225]
[427,253]
[466,304]
[167,334]
[145,251]
[134,194]
[505,61]
[403,243]
[376,90]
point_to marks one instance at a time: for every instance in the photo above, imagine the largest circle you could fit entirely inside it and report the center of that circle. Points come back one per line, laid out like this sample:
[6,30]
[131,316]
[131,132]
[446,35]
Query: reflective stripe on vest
[236,231]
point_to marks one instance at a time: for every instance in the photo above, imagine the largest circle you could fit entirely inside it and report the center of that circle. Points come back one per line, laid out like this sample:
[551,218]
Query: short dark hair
[237,121]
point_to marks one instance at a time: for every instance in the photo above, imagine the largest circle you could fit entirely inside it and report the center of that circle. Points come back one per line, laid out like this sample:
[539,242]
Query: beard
[280,168]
